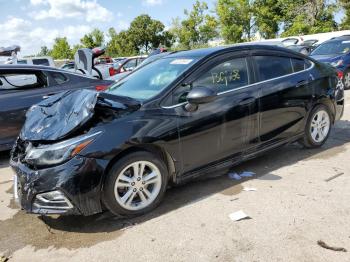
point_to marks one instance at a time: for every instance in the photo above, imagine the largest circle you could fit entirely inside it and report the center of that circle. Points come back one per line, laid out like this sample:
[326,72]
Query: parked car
[103,60]
[43,61]
[127,64]
[21,86]
[148,60]
[183,116]
[336,52]
[68,66]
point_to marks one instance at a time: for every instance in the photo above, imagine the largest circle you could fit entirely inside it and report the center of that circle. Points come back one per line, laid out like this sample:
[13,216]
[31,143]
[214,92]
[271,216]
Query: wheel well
[329,105]
[154,149]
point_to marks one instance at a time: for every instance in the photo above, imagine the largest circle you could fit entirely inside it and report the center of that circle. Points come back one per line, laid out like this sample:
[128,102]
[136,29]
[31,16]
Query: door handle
[302,83]
[47,96]
[247,101]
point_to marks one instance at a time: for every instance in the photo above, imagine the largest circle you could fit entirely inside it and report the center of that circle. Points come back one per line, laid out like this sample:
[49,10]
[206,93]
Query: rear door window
[59,77]
[270,67]
[20,81]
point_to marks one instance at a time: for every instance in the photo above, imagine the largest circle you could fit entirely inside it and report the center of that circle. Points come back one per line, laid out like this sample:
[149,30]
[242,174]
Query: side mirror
[201,95]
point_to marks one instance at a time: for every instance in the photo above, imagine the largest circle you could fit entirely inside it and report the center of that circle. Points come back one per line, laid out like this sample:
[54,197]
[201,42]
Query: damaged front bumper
[72,188]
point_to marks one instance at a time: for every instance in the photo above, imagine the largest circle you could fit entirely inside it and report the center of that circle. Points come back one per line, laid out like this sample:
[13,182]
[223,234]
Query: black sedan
[183,116]
[21,86]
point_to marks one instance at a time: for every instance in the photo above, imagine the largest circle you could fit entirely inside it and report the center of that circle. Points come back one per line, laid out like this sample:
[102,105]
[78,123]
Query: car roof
[22,66]
[204,52]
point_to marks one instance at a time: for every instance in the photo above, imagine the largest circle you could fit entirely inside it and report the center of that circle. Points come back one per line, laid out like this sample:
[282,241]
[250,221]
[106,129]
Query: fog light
[52,200]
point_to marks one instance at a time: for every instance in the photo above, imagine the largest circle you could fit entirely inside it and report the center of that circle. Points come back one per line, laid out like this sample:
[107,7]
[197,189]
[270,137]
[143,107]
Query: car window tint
[225,76]
[273,66]
[22,62]
[298,64]
[41,61]
[19,81]
[59,78]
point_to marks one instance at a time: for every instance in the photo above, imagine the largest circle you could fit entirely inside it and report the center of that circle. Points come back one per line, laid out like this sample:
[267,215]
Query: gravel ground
[302,196]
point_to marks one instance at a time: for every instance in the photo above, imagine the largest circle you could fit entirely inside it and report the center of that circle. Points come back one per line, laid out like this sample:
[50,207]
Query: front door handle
[247,101]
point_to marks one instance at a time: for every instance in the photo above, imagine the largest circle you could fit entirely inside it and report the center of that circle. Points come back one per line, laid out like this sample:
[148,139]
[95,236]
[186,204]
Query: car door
[19,89]
[285,94]
[218,132]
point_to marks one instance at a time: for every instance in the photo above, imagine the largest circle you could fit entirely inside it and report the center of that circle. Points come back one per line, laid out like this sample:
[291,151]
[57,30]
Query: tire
[319,113]
[121,185]
[346,80]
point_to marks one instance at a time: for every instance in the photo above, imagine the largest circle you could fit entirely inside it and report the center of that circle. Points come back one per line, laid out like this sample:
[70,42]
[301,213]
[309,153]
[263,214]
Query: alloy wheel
[320,126]
[138,185]
[347,80]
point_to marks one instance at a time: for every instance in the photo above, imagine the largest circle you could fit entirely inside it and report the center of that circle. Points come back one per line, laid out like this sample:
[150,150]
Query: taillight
[340,74]
[112,71]
[101,88]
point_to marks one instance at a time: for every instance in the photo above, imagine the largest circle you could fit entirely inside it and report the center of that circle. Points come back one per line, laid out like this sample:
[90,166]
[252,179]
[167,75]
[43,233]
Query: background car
[336,52]
[183,116]
[127,64]
[21,86]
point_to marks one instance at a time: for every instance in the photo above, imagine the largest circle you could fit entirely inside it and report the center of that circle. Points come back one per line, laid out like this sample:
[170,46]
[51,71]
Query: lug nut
[139,178]
[134,189]
[143,182]
[141,188]
[132,183]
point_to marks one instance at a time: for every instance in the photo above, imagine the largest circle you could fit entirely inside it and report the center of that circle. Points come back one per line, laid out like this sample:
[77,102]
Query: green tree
[236,20]
[308,16]
[44,51]
[268,15]
[94,39]
[120,44]
[61,49]
[146,33]
[196,29]
[345,23]
[75,49]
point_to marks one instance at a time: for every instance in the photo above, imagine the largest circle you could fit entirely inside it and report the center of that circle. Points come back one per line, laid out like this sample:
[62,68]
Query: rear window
[59,78]
[270,67]
[41,61]
[22,62]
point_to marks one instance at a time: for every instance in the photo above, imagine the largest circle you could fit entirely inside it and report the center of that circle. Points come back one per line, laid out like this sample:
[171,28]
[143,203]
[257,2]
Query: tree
[146,33]
[197,28]
[268,15]
[61,49]
[308,16]
[94,39]
[345,24]
[75,49]
[44,51]
[236,20]
[120,44]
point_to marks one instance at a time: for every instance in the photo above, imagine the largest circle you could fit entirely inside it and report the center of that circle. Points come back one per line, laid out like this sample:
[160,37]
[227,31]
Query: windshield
[150,80]
[332,48]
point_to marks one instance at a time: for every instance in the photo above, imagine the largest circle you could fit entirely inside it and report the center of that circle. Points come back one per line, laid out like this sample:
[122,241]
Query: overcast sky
[35,23]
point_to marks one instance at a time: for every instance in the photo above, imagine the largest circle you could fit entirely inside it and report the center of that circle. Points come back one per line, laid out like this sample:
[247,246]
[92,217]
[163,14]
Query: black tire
[307,141]
[346,83]
[108,195]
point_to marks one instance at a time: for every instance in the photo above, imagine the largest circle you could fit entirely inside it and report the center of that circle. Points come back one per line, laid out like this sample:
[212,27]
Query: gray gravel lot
[302,196]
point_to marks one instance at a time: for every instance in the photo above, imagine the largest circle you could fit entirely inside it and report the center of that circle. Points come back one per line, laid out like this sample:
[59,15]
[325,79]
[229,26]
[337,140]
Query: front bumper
[72,188]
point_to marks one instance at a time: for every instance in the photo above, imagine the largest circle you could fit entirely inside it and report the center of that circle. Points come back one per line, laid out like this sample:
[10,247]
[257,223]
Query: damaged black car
[188,114]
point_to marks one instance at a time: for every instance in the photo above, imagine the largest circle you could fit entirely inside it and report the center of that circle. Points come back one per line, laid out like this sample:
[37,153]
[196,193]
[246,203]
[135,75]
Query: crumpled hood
[63,114]
[327,58]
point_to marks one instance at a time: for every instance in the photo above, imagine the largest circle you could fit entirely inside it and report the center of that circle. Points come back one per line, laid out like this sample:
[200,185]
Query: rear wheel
[135,185]
[317,128]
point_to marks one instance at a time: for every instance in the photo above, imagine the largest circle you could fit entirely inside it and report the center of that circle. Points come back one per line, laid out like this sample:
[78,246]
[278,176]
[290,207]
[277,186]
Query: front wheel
[317,128]
[135,185]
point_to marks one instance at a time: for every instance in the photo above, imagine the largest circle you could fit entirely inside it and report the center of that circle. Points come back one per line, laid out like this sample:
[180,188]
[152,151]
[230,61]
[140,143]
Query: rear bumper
[73,188]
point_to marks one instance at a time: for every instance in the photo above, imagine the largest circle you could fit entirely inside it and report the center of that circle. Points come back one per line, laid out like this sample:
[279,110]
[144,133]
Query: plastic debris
[249,189]
[234,176]
[239,215]
[247,174]
[324,245]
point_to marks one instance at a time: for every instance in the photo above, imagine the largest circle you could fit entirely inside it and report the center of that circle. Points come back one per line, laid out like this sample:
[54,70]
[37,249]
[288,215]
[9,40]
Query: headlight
[337,63]
[46,155]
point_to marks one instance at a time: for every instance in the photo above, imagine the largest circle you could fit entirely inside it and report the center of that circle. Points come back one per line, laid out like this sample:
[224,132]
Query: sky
[35,23]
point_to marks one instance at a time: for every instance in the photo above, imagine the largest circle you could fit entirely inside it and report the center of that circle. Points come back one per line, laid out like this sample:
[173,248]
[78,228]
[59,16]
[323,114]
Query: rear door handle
[302,83]
[247,101]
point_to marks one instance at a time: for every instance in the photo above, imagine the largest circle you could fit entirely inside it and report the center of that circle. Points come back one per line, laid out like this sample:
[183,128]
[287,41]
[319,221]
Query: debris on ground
[4,259]
[333,177]
[236,176]
[239,215]
[249,189]
[324,245]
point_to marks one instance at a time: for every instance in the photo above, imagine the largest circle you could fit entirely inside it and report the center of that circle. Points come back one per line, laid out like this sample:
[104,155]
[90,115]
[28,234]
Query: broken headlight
[45,155]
